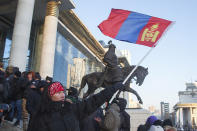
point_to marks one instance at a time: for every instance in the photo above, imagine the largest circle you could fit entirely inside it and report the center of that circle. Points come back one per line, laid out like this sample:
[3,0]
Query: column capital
[52,8]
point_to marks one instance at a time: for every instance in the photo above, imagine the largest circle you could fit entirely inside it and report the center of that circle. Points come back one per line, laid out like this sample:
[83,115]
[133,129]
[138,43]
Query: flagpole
[125,80]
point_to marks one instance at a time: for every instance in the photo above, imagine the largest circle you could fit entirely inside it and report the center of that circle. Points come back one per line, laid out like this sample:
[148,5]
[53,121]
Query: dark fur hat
[121,102]
[72,91]
[49,79]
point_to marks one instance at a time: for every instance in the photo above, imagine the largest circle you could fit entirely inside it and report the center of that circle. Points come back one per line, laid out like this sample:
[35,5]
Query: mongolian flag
[134,27]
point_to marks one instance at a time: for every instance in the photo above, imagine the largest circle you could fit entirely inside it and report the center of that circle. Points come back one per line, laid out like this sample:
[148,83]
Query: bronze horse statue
[112,74]
[97,79]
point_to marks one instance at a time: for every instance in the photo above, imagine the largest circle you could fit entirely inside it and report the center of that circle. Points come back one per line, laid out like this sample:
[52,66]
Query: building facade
[165,110]
[48,37]
[186,109]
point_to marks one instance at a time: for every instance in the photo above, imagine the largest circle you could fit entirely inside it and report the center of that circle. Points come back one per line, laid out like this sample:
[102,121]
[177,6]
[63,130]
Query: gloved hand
[118,86]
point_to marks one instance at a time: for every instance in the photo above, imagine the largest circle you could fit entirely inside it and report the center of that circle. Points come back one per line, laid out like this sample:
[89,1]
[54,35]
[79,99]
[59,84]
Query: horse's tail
[83,83]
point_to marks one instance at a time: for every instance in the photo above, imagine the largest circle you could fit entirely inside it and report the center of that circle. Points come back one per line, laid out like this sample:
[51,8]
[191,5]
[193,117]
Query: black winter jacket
[17,88]
[64,116]
[3,91]
[89,123]
[33,97]
[125,121]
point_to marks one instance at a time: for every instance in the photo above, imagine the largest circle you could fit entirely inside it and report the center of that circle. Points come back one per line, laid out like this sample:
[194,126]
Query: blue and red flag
[134,27]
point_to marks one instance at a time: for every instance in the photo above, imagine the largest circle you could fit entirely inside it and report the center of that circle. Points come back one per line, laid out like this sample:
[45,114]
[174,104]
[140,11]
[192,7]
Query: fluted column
[49,39]
[21,34]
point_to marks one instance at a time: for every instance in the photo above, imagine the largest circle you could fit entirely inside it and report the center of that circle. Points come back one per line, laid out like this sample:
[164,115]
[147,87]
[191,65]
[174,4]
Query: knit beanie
[151,119]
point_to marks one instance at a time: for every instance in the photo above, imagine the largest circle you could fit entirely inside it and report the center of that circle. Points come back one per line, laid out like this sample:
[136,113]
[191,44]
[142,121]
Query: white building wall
[137,117]
[187,97]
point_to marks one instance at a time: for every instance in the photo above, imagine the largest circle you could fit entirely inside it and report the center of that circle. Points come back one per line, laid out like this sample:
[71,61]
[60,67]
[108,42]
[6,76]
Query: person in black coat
[125,117]
[141,128]
[16,92]
[72,94]
[4,107]
[33,96]
[4,86]
[56,114]
[15,96]
[89,123]
[33,99]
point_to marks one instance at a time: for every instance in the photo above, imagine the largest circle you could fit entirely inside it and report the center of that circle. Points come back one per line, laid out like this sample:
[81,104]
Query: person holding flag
[56,114]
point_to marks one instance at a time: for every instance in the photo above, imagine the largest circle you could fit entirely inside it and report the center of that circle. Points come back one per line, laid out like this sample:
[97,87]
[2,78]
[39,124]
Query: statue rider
[112,71]
[110,57]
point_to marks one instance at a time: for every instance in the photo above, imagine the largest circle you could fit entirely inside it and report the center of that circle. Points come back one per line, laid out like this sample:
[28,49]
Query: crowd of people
[155,124]
[15,86]
[51,107]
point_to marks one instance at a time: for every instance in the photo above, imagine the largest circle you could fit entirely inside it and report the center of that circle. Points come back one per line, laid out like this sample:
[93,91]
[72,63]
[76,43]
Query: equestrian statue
[112,74]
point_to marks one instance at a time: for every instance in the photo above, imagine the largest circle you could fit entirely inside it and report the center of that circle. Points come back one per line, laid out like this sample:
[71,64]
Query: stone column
[176,117]
[38,50]
[181,116]
[21,34]
[190,119]
[49,40]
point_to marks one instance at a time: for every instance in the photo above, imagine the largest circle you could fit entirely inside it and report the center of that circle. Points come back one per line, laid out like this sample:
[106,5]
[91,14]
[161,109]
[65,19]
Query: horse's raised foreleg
[128,89]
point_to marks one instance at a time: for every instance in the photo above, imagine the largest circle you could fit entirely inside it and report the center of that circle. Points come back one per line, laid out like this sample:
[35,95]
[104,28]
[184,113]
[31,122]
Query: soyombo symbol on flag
[134,27]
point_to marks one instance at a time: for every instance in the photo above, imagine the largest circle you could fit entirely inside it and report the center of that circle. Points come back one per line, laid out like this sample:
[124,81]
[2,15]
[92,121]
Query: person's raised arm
[88,106]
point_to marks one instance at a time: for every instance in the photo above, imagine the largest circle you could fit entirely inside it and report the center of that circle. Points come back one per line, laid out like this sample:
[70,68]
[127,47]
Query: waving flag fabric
[134,27]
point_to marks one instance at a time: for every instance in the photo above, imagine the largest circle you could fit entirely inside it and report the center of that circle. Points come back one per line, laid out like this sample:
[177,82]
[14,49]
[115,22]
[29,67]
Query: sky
[173,61]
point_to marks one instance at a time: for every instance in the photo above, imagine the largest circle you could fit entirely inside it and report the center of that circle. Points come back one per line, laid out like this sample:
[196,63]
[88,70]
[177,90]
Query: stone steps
[8,126]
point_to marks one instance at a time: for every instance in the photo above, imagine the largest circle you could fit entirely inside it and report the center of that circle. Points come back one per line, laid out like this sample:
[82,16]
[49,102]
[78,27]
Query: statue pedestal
[137,116]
